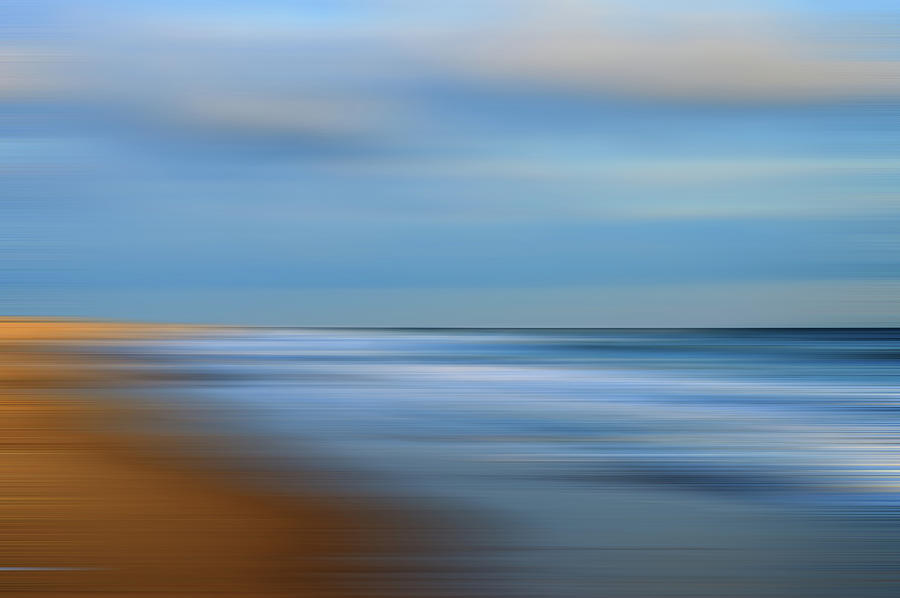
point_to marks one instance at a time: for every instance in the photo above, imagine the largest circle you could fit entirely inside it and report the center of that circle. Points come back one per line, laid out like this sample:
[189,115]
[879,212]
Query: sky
[423,163]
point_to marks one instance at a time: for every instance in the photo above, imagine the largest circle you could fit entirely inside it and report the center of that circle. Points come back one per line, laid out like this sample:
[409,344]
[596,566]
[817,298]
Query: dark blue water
[600,462]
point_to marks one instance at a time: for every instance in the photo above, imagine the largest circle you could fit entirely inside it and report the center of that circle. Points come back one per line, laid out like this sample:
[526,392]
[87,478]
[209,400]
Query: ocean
[586,463]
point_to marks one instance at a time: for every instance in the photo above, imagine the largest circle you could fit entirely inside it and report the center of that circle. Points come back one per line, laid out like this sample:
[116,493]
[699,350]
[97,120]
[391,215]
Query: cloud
[643,170]
[687,56]
[300,75]
[633,188]
[325,117]
[583,46]
[30,71]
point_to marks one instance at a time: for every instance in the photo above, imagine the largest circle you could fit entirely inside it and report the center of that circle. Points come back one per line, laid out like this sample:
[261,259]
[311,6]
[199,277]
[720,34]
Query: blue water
[599,462]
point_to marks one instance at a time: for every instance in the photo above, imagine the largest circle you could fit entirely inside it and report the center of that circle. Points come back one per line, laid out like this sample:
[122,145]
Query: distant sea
[593,463]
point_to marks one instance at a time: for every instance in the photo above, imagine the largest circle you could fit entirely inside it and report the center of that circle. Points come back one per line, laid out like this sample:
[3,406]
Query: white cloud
[311,75]
[717,56]
[29,71]
[643,188]
[635,170]
[581,45]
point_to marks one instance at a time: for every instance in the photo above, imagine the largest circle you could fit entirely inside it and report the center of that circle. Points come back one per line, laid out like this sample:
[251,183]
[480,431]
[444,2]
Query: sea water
[586,463]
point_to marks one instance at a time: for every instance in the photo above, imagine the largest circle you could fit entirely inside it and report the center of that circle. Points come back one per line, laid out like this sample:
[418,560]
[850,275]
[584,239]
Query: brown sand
[103,513]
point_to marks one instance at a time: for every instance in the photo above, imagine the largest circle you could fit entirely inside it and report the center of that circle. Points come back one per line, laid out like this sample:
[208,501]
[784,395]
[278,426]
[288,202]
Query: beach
[93,509]
[177,461]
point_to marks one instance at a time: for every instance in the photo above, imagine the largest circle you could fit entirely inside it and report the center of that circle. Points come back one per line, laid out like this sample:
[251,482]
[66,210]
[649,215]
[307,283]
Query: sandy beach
[92,510]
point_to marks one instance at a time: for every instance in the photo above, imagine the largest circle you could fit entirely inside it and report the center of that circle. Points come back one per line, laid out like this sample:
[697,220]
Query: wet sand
[89,509]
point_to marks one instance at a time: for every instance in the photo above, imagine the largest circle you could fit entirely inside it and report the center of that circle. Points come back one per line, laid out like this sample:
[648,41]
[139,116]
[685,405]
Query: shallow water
[594,462]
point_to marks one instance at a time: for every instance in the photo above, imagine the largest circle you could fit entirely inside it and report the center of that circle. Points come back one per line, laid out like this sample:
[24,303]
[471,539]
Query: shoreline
[96,508]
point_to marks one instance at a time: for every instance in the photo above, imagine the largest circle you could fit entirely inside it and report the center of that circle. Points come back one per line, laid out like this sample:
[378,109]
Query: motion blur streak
[478,298]
[471,163]
[581,463]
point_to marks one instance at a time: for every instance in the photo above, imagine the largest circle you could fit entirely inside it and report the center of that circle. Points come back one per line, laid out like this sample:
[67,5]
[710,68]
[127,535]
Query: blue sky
[502,162]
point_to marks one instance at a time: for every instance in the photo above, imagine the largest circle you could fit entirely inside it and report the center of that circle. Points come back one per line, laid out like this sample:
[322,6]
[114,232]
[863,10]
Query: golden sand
[89,511]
